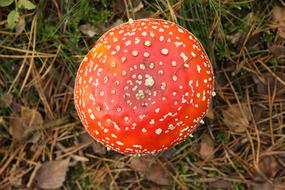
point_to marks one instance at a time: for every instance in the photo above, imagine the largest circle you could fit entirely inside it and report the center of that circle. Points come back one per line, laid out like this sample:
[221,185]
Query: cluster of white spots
[149,81]
[140,95]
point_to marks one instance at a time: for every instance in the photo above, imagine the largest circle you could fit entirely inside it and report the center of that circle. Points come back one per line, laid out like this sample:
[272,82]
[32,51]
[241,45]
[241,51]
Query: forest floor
[44,146]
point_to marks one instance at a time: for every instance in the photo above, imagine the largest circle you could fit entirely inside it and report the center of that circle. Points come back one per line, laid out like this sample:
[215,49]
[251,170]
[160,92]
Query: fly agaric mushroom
[144,86]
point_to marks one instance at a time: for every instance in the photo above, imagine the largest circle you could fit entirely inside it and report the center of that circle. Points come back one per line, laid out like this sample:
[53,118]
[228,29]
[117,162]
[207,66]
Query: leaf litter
[150,168]
[206,149]
[237,118]
[278,15]
[29,120]
[52,174]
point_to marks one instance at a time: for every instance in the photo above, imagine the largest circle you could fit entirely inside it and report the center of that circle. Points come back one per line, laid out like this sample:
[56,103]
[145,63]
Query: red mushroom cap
[144,86]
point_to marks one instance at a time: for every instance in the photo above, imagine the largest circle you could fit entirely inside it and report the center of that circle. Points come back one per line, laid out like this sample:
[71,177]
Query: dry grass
[243,139]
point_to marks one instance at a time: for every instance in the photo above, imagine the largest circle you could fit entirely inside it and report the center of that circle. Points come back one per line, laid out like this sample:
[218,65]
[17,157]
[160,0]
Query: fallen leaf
[279,186]
[262,186]
[169,153]
[21,126]
[119,8]
[144,13]
[96,146]
[150,168]
[52,174]
[270,81]
[206,147]
[88,29]
[268,166]
[6,100]
[277,50]
[31,117]
[141,164]
[236,119]
[104,28]
[137,6]
[20,26]
[221,184]
[16,128]
[278,15]
[154,187]
[234,38]
[210,114]
[157,175]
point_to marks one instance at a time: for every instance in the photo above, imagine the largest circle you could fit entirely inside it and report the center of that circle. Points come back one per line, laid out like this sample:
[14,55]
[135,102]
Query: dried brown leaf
[137,6]
[210,114]
[144,13]
[20,26]
[270,81]
[279,186]
[119,8]
[150,168]
[206,147]
[262,186]
[236,119]
[234,38]
[278,15]
[96,146]
[157,175]
[16,128]
[221,184]
[268,166]
[52,174]
[6,100]
[141,164]
[31,117]
[21,126]
[88,30]
[277,50]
